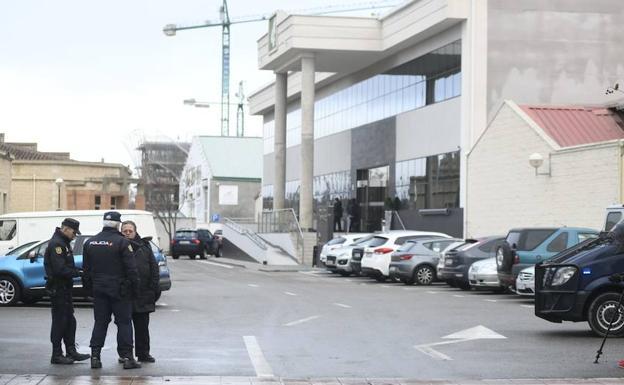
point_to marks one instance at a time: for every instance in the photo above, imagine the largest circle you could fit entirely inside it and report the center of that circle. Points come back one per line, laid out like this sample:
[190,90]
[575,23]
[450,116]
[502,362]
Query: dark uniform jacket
[149,276]
[58,261]
[109,265]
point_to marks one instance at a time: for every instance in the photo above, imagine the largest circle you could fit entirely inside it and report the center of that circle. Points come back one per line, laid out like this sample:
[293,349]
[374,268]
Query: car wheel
[504,257]
[424,275]
[604,310]
[175,256]
[380,278]
[219,253]
[464,285]
[192,256]
[9,291]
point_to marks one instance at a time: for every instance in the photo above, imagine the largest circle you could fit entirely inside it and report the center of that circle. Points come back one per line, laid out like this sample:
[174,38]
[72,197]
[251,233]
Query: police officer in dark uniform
[60,270]
[110,275]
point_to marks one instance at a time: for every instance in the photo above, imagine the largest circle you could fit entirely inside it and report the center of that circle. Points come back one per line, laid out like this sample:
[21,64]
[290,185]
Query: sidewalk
[40,379]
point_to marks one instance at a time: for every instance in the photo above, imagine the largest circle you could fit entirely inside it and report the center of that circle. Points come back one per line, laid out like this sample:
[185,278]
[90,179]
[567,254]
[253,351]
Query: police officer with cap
[60,270]
[110,275]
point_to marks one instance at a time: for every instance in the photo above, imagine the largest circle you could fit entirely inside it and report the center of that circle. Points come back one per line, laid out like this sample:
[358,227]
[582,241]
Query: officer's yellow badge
[58,250]
[130,248]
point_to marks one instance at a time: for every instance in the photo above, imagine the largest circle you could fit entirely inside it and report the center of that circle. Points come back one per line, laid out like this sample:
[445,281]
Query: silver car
[339,260]
[483,275]
[525,283]
[416,260]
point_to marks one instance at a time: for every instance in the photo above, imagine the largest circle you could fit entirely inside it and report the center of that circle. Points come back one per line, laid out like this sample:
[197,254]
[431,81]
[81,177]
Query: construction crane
[225,22]
[240,108]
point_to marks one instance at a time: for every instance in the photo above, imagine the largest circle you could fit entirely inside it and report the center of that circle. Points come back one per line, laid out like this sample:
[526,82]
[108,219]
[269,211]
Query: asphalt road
[229,321]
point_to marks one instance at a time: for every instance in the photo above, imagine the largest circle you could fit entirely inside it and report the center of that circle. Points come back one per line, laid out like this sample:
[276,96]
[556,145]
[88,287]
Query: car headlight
[563,275]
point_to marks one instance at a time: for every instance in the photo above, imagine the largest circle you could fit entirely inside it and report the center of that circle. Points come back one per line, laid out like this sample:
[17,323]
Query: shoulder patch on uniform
[130,248]
[58,250]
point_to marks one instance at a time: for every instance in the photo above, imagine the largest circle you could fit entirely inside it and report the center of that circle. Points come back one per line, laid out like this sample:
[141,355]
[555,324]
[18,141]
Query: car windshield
[336,241]
[186,234]
[406,246]
[377,241]
[362,241]
[21,248]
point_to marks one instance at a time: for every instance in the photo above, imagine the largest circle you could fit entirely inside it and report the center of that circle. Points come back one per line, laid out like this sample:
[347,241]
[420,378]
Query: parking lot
[224,320]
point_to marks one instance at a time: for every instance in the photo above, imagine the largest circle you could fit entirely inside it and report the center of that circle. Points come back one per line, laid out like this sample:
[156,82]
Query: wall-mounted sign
[228,195]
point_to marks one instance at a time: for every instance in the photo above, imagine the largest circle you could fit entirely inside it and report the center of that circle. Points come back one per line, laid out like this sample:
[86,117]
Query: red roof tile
[573,126]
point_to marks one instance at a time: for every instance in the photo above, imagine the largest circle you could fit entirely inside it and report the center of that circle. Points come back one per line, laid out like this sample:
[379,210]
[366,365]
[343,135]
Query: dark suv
[195,242]
[524,247]
[575,285]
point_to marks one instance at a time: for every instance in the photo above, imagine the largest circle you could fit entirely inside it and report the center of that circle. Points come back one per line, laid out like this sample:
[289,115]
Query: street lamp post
[59,182]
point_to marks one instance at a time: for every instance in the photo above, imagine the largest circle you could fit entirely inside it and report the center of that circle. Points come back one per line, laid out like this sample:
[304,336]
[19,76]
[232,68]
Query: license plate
[185,242]
[448,262]
[330,263]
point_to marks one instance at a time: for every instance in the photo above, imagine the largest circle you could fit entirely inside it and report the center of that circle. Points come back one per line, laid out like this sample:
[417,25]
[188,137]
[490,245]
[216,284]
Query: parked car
[524,247]
[482,275]
[575,285]
[195,242]
[344,260]
[456,262]
[22,273]
[339,242]
[376,254]
[416,260]
[525,283]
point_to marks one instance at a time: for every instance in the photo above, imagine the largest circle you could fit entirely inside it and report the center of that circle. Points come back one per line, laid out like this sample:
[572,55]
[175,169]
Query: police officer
[145,302]
[110,275]
[60,269]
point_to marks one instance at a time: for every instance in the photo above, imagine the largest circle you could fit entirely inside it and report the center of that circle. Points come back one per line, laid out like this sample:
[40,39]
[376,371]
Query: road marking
[458,295]
[531,306]
[410,288]
[252,285]
[432,292]
[490,300]
[302,320]
[386,286]
[342,305]
[217,264]
[260,364]
[348,280]
[289,293]
[475,333]
[175,310]
[162,304]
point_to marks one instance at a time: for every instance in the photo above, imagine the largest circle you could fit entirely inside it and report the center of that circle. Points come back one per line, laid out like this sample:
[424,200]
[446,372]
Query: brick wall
[503,191]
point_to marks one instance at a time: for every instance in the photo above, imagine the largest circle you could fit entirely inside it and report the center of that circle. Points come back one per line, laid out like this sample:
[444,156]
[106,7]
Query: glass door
[372,187]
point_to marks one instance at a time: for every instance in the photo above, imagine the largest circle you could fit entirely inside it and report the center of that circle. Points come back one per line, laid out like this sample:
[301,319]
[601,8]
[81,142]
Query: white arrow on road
[476,333]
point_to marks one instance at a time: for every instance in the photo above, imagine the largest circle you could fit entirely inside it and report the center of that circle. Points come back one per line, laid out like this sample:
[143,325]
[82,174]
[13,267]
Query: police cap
[112,216]
[72,224]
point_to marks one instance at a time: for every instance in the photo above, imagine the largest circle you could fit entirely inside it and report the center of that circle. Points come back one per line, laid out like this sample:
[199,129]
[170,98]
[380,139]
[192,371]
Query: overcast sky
[93,77]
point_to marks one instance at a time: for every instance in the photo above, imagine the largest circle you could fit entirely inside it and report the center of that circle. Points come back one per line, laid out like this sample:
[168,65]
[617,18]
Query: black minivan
[574,285]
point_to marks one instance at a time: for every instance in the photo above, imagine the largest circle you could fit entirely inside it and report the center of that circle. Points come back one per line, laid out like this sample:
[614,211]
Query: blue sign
[216,217]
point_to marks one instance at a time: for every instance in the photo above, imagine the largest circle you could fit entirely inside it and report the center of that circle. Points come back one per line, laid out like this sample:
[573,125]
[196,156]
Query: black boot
[130,363]
[73,354]
[146,358]
[96,363]
[60,359]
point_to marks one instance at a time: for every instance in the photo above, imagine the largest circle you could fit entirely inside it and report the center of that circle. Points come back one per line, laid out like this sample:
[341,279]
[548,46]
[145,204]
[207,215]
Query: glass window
[377,241]
[529,240]
[336,241]
[582,237]
[491,246]
[186,234]
[8,228]
[558,244]
[612,219]
[407,246]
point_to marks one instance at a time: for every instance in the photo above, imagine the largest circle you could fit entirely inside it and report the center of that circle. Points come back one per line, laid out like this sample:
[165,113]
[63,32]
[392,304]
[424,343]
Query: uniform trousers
[63,322]
[141,334]
[104,306]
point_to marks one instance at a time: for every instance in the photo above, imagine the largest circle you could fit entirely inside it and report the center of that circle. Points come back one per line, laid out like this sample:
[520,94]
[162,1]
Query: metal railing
[255,238]
[282,221]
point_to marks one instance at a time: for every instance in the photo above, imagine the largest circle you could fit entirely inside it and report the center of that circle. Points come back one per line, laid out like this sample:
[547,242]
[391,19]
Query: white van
[19,228]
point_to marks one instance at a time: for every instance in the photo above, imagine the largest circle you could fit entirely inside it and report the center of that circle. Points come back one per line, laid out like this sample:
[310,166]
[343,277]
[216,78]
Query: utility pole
[225,70]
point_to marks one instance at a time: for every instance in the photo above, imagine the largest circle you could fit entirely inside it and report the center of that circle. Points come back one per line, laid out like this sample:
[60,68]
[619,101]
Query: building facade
[386,110]
[161,167]
[580,174]
[221,178]
[5,181]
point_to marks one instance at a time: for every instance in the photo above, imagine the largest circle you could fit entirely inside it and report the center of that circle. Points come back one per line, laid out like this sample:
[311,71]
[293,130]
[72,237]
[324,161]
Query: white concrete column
[307,142]
[279,181]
